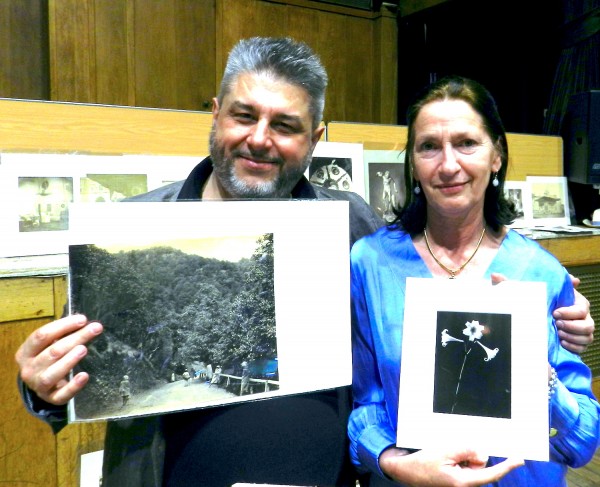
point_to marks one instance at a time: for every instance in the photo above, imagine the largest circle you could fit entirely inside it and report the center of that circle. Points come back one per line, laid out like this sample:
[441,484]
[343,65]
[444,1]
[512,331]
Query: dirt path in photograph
[172,396]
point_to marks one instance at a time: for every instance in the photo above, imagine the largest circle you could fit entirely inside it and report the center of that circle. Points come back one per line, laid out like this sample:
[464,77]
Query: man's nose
[260,135]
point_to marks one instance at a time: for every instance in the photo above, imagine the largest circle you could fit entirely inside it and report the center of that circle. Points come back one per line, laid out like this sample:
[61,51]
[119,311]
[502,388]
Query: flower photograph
[473,364]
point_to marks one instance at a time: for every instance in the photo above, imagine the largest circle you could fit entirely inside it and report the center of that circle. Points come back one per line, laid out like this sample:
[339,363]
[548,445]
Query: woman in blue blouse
[453,225]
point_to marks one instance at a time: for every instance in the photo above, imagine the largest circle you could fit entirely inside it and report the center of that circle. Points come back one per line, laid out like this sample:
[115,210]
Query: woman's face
[453,158]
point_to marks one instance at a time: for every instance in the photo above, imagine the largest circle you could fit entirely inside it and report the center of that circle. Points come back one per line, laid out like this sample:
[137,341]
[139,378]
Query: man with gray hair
[266,124]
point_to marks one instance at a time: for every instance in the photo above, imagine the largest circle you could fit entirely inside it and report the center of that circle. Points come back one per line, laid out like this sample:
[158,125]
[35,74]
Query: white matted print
[384,181]
[475,367]
[549,200]
[337,165]
[37,190]
[190,318]
[519,193]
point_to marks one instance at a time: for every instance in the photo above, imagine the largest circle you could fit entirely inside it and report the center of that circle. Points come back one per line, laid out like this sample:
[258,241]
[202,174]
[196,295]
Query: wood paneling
[171,54]
[64,127]
[135,52]
[27,445]
[26,299]
[24,53]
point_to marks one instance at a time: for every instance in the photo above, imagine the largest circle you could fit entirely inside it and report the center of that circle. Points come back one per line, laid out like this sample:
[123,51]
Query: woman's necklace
[453,272]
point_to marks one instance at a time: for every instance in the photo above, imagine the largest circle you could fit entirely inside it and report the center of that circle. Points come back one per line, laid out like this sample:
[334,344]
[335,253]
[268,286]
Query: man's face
[262,138]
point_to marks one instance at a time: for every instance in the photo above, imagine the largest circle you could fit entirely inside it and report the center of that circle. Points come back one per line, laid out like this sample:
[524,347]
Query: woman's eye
[427,147]
[468,145]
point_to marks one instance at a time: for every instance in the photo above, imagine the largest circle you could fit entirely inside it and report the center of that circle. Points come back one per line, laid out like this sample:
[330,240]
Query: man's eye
[285,128]
[243,116]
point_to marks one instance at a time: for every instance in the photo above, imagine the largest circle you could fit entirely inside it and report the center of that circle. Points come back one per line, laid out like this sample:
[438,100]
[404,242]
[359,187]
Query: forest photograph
[186,323]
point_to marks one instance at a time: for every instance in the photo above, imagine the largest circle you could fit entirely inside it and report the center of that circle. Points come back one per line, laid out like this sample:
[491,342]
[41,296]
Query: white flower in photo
[473,330]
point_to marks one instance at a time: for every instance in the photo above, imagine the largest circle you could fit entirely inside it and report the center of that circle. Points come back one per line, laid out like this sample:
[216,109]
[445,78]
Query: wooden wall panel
[153,30]
[71,51]
[134,52]
[111,53]
[24,54]
[27,445]
[64,127]
[196,56]
[26,299]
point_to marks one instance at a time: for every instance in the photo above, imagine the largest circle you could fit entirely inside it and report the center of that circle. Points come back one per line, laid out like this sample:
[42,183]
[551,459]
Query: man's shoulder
[363,219]
[164,193]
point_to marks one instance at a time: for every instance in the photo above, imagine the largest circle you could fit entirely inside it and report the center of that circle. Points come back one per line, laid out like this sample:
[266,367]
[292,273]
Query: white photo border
[525,192]
[313,334]
[560,184]
[341,150]
[376,161]
[419,426]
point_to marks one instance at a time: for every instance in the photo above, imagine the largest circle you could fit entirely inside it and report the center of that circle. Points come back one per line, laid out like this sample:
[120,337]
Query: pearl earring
[417,189]
[495,181]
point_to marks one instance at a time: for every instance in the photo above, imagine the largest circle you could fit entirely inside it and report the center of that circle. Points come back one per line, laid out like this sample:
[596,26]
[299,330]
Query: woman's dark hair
[497,210]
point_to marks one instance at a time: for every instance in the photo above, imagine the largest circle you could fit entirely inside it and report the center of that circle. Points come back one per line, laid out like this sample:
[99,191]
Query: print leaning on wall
[337,165]
[37,190]
[549,200]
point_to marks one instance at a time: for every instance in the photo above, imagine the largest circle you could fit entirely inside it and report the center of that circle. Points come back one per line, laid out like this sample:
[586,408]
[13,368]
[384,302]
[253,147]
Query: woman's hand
[428,468]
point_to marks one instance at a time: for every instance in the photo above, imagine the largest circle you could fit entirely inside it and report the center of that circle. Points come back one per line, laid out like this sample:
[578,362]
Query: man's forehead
[263,91]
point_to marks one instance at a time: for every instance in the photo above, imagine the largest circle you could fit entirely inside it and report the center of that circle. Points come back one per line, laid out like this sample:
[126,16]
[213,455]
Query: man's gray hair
[284,58]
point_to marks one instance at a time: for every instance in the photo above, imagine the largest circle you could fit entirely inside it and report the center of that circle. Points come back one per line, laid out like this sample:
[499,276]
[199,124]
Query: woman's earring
[417,188]
[495,181]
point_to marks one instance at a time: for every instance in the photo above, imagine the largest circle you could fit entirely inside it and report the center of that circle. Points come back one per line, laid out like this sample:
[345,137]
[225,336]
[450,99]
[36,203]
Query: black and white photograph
[474,366]
[44,203]
[384,175]
[519,193]
[102,188]
[185,322]
[550,200]
[198,308]
[337,165]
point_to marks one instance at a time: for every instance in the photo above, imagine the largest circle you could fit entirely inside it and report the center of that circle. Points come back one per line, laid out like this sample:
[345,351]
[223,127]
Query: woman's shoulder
[527,252]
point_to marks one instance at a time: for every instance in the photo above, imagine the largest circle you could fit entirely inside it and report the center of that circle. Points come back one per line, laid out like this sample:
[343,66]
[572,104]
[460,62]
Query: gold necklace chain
[453,272]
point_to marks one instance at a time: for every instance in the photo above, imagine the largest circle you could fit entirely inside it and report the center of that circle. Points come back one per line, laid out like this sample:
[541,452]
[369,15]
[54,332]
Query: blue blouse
[380,264]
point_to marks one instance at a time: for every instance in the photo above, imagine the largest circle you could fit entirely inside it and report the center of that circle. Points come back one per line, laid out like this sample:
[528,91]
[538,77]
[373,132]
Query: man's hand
[462,467]
[575,324]
[50,353]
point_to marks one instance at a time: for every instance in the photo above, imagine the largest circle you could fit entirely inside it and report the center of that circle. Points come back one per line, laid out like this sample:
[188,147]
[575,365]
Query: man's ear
[316,135]
[215,109]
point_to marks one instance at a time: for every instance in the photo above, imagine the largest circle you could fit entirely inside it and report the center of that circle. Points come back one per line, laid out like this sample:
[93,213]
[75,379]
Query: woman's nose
[449,161]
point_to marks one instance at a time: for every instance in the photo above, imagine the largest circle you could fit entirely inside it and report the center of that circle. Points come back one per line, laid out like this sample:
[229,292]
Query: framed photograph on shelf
[520,194]
[338,165]
[474,367]
[549,201]
[384,181]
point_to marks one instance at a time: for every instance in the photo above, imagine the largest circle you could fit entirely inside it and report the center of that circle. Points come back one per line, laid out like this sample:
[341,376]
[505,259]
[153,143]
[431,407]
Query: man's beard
[280,187]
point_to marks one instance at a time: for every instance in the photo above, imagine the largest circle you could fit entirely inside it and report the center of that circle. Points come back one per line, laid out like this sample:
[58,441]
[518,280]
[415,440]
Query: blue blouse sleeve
[574,412]
[369,429]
